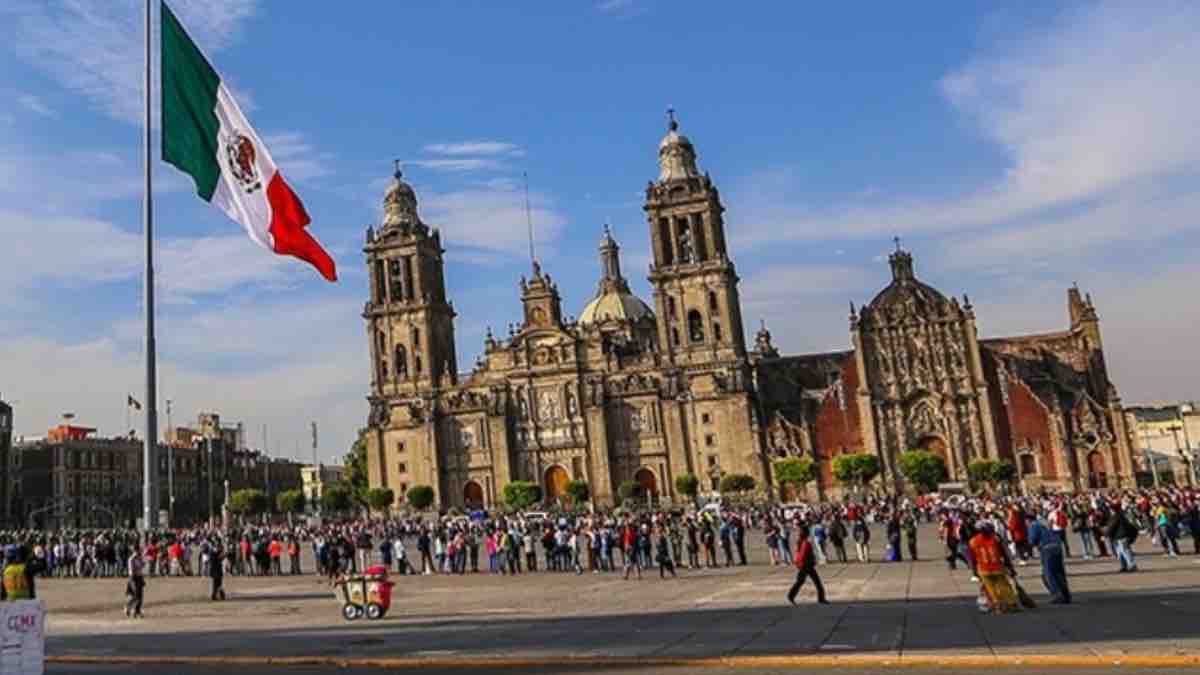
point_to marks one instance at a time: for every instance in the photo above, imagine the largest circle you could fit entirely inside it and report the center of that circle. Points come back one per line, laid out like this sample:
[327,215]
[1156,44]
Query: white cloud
[297,157]
[492,217]
[96,48]
[1098,104]
[474,148]
[456,165]
[35,104]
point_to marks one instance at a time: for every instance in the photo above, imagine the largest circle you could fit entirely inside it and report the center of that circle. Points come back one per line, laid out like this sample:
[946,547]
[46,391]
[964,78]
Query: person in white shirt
[400,554]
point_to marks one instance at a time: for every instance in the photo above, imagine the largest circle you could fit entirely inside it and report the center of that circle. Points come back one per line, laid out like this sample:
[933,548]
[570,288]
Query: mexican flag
[205,135]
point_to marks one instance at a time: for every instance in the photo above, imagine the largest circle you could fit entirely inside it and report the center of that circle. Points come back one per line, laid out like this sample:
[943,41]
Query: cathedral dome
[614,300]
[676,155]
[905,289]
[399,203]
[615,305]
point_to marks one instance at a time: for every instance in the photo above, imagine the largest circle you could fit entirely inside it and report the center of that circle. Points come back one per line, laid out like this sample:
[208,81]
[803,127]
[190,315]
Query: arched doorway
[473,495]
[556,482]
[645,478]
[1097,475]
[937,446]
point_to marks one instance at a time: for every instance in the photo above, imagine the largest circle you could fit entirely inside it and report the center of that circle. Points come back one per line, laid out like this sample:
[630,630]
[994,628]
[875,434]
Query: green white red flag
[205,135]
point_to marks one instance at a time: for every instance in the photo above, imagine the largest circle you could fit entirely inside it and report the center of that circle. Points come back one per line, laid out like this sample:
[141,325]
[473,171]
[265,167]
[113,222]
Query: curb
[736,662]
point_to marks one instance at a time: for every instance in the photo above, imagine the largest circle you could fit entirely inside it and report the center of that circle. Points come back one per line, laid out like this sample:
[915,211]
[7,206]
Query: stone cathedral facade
[631,391]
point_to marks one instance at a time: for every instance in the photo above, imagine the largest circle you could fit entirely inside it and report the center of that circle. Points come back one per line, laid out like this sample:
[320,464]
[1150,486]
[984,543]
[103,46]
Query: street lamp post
[1187,461]
[1150,455]
[1186,409]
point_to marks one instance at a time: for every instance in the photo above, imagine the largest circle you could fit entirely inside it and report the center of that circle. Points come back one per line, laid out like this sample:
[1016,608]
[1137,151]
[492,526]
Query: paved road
[557,670]
[897,609]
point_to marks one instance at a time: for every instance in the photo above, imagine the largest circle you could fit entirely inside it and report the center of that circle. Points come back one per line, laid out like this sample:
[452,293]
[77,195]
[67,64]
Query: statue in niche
[522,405]
[548,407]
[686,253]
[572,404]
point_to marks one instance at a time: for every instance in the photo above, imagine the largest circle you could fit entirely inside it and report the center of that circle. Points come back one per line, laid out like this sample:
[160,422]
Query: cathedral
[632,391]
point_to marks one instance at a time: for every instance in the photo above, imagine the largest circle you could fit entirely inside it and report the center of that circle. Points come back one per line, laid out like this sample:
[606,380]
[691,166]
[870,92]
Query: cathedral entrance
[937,446]
[556,483]
[473,495]
[645,478]
[1097,476]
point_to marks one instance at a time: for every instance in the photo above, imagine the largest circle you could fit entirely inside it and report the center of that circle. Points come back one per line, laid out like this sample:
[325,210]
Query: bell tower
[695,284]
[410,324]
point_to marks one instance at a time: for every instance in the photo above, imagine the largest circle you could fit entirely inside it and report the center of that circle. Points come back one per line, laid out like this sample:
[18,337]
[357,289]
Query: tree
[355,461]
[855,469]
[1003,472]
[336,498]
[687,485]
[922,469]
[795,471]
[249,502]
[521,494]
[380,499]
[737,483]
[980,471]
[290,501]
[630,489]
[420,497]
[578,491]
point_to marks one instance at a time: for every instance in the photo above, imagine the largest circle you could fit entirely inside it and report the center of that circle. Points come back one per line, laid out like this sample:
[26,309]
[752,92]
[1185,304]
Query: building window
[403,467]
[695,326]
[674,336]
[716,331]
[712,301]
[716,483]
[706,418]
[670,307]
[417,364]
[400,447]
[401,362]
[712,461]
[710,440]
[403,490]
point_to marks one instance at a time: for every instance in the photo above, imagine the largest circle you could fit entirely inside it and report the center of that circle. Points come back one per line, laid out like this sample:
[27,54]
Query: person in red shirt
[275,548]
[806,567]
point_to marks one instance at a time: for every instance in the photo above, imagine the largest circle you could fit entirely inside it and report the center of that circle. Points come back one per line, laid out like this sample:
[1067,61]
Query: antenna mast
[529,219]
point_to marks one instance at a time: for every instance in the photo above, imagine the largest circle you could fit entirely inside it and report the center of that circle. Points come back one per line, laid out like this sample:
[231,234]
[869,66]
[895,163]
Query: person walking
[629,544]
[993,566]
[862,540]
[806,567]
[909,525]
[1122,534]
[1054,571]
[663,555]
[837,537]
[216,571]
[135,587]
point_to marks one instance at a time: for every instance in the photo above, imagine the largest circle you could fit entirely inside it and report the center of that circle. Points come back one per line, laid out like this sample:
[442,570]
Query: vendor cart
[368,594]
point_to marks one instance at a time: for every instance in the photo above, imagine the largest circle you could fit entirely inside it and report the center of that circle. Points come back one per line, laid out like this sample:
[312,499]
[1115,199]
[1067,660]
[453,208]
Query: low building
[316,479]
[1169,436]
[6,459]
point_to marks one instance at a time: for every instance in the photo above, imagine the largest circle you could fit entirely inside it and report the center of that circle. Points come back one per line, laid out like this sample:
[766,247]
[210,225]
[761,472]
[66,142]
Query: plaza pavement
[916,613]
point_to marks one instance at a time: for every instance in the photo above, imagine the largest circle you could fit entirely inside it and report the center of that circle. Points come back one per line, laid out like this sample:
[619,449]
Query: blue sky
[1015,149]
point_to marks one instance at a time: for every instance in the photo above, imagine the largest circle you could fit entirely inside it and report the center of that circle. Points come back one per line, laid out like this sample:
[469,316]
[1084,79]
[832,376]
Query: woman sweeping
[994,567]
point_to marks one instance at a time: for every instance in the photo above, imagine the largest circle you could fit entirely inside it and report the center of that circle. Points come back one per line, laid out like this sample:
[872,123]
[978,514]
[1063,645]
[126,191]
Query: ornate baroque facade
[627,392]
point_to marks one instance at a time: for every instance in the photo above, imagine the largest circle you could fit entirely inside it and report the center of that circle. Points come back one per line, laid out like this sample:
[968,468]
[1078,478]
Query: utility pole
[1186,409]
[170,469]
[1149,454]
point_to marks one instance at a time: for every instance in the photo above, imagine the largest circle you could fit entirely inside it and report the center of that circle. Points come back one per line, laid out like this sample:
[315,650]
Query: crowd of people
[991,536]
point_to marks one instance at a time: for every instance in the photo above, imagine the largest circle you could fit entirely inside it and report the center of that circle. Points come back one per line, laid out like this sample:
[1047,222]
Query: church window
[686,245]
[695,326]
[397,280]
[400,447]
[712,462]
[380,282]
[716,331]
[416,333]
[402,467]
[404,489]
[1028,465]
[716,483]
[706,418]
[712,301]
[671,307]
[710,440]
[408,278]
[675,337]
[698,237]
[401,362]
[664,236]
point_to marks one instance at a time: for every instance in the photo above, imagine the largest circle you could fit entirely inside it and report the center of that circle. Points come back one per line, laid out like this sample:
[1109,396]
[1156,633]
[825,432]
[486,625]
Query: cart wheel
[374,611]
[350,612]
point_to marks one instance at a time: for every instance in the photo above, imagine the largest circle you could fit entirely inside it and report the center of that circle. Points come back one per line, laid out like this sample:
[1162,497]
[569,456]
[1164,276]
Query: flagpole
[149,465]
